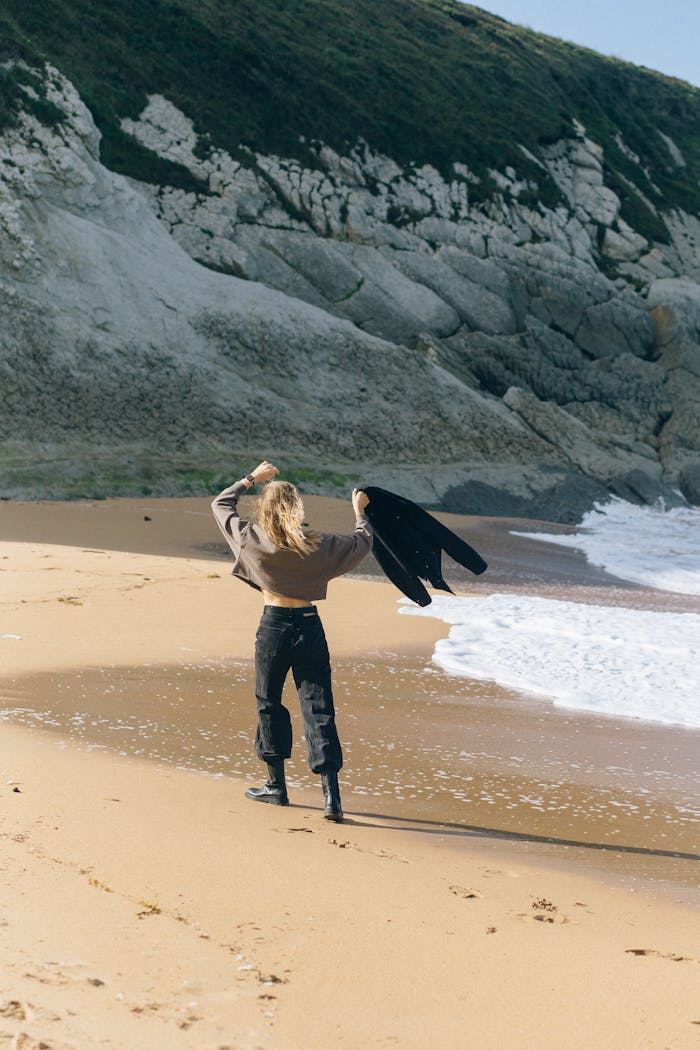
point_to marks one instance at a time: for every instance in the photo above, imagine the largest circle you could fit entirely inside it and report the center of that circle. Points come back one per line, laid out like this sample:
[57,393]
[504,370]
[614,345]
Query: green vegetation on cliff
[421,80]
[22,89]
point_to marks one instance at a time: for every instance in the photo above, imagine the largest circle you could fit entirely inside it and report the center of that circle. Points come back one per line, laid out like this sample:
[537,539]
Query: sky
[659,34]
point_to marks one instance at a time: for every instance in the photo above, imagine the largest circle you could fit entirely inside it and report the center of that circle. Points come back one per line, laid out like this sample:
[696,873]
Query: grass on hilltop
[424,81]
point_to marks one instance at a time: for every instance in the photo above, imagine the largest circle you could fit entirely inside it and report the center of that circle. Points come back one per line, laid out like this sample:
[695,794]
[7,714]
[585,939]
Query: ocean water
[647,545]
[601,658]
[606,659]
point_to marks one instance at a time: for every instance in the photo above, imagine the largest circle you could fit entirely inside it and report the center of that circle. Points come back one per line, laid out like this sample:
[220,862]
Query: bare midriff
[284,602]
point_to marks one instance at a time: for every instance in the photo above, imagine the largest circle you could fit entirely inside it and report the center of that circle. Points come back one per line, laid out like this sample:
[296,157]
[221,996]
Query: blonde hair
[281,515]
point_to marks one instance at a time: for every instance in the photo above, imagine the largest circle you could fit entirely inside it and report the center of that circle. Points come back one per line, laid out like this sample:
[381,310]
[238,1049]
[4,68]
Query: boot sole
[335,817]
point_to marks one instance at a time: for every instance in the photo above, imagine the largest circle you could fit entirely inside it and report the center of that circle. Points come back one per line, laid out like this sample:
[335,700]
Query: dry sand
[144,905]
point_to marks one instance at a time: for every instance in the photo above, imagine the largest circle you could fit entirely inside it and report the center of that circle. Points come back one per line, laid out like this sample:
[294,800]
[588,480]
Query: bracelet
[250,478]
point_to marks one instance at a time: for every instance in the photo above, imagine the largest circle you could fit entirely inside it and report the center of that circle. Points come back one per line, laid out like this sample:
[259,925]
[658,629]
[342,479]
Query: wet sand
[126,674]
[469,758]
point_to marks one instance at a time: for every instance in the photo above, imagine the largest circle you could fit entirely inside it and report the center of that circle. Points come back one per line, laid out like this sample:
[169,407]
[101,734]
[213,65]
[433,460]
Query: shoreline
[614,797]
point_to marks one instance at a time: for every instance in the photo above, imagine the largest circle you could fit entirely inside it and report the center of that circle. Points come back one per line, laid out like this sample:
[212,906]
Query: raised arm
[225,505]
[348,551]
[362,536]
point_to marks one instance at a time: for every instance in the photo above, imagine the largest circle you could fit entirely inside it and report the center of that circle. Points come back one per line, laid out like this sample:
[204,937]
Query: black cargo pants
[294,639]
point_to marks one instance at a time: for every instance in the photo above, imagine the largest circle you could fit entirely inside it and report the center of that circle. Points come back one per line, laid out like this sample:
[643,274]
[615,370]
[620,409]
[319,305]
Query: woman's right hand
[264,471]
[360,500]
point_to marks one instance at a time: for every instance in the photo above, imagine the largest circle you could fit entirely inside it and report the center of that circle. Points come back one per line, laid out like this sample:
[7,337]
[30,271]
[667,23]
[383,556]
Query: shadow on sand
[439,827]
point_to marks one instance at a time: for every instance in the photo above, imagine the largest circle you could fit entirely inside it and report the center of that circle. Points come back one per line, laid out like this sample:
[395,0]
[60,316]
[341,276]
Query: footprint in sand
[15,1010]
[188,1021]
[48,975]
[65,972]
[660,955]
[385,854]
[146,1008]
[467,895]
[24,1041]
[544,911]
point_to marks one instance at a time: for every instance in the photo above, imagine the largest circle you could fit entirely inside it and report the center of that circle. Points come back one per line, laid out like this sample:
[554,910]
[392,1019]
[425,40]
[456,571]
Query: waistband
[287,615]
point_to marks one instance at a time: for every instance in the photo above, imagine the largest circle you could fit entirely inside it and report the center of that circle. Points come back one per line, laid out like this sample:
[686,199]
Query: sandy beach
[492,886]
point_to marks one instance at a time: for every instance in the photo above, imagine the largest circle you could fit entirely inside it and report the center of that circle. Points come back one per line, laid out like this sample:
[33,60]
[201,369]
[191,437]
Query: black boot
[275,791]
[329,783]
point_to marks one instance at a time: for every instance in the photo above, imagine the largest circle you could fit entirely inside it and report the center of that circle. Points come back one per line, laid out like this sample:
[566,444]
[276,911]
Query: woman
[292,568]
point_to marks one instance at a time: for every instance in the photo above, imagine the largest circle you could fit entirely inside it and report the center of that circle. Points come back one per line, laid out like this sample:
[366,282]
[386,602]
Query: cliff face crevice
[355,319]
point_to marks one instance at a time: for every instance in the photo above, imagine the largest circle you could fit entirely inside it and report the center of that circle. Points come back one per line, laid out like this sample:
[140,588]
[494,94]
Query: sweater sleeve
[225,511]
[348,551]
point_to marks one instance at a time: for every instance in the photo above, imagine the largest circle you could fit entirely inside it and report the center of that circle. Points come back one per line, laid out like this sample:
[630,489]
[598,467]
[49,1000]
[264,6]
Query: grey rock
[618,326]
[565,497]
[475,305]
[689,480]
[324,264]
[623,395]
[636,487]
[675,306]
[597,456]
[350,281]
[623,243]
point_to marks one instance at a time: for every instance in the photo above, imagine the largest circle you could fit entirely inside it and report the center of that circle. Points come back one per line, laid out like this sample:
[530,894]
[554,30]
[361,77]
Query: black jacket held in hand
[408,544]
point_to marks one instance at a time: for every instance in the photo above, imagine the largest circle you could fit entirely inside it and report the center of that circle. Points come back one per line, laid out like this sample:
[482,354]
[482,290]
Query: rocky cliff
[520,348]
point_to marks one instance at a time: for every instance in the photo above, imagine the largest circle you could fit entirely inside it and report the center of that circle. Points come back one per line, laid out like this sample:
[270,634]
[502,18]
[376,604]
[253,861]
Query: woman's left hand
[360,500]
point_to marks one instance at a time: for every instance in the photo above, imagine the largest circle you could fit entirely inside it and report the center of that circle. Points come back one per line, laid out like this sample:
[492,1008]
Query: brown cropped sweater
[258,562]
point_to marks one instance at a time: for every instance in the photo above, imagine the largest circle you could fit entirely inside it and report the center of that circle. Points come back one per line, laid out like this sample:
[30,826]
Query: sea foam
[648,545]
[611,660]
